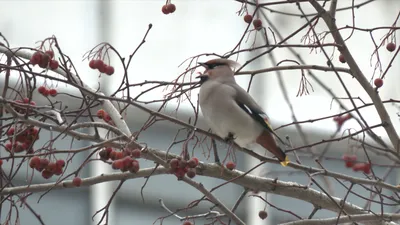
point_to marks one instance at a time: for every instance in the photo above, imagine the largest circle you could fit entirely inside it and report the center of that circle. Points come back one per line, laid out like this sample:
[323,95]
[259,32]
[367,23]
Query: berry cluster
[104,115]
[44,60]
[23,101]
[122,160]
[257,23]
[46,92]
[24,139]
[180,167]
[341,119]
[187,223]
[47,168]
[168,8]
[101,66]
[351,162]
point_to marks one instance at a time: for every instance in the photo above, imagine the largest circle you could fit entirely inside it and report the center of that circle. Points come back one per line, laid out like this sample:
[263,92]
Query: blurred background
[198,26]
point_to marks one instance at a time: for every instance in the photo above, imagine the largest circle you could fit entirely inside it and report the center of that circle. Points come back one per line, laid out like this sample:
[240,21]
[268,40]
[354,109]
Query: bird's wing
[249,105]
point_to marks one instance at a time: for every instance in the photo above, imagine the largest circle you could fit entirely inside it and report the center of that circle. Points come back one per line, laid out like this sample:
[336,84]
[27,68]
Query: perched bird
[231,112]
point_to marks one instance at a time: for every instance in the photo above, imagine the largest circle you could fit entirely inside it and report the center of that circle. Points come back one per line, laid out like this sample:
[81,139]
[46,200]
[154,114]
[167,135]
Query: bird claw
[230,138]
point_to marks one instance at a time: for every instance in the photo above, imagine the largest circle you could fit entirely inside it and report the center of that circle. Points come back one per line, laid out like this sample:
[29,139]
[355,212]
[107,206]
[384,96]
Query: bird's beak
[202,76]
[202,64]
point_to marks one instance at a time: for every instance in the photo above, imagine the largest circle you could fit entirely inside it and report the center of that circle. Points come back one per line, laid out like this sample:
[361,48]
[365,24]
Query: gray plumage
[229,109]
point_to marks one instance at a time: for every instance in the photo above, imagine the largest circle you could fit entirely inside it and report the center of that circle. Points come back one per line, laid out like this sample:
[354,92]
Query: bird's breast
[224,116]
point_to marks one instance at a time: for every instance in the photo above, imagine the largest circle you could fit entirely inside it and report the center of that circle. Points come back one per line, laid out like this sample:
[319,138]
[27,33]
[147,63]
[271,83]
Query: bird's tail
[268,142]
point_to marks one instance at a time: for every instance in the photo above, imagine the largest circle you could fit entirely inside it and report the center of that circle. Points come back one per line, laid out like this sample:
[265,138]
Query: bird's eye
[212,66]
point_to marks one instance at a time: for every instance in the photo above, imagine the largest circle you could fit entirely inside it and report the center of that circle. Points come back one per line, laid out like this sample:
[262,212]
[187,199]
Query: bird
[231,112]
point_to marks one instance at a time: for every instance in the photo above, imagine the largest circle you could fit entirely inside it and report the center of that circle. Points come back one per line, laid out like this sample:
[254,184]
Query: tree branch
[358,74]
[347,219]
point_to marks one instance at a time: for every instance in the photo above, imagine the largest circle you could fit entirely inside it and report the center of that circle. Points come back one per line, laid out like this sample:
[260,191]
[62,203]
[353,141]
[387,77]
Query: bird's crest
[221,61]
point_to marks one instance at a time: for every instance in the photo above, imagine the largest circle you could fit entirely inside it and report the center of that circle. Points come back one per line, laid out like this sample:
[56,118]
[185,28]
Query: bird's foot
[230,138]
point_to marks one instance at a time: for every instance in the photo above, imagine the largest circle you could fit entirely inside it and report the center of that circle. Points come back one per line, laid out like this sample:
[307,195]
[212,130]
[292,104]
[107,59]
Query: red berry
[248,18]
[196,160]
[165,10]
[51,167]
[104,155]
[367,168]
[171,8]
[134,167]
[109,70]
[44,162]
[191,173]
[11,131]
[33,103]
[257,24]
[36,58]
[77,181]
[58,171]
[192,163]
[180,173]
[34,131]
[26,145]
[44,61]
[262,214]
[19,148]
[46,174]
[187,223]
[378,82]
[107,117]
[349,164]
[34,162]
[174,163]
[41,166]
[230,165]
[113,155]
[1,162]
[391,47]
[101,113]
[182,164]
[109,150]
[119,155]
[46,92]
[53,64]
[53,92]
[117,164]
[98,63]
[342,59]
[49,53]
[25,100]
[9,146]
[349,160]
[358,167]
[136,153]
[60,163]
[92,64]
[127,161]
[42,89]
[102,68]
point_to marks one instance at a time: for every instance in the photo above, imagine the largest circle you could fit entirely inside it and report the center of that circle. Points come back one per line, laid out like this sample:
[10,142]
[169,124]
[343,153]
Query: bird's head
[217,69]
